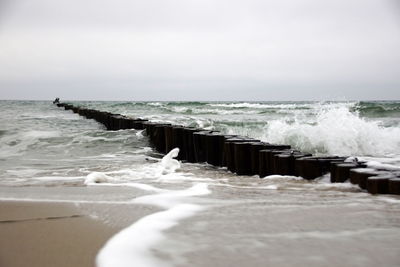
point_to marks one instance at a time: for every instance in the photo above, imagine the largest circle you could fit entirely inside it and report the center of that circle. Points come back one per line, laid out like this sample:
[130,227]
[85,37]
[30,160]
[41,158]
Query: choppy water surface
[207,215]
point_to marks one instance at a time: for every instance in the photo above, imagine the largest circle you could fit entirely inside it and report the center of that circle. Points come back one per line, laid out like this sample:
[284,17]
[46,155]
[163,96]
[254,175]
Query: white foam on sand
[159,171]
[168,163]
[282,177]
[173,198]
[133,246]
[270,187]
[97,177]
[344,187]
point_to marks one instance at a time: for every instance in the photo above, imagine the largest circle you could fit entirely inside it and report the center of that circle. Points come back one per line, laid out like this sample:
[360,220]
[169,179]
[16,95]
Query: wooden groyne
[247,156]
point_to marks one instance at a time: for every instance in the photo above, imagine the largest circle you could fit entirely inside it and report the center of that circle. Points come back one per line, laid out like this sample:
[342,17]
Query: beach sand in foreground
[49,234]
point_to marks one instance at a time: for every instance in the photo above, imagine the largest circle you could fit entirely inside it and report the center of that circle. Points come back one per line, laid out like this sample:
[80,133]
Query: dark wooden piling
[132,123]
[156,134]
[91,113]
[264,165]
[285,162]
[211,144]
[228,154]
[379,184]
[362,177]
[106,119]
[242,156]
[359,176]
[149,127]
[242,153]
[199,146]
[168,138]
[394,186]
[246,156]
[159,138]
[229,150]
[114,122]
[128,124]
[270,163]
[340,172]
[177,141]
[254,156]
[187,133]
[224,142]
[214,151]
[313,167]
[95,114]
[138,124]
[123,123]
[68,107]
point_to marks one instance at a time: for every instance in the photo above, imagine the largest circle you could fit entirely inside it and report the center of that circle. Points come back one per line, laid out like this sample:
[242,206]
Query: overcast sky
[200,49]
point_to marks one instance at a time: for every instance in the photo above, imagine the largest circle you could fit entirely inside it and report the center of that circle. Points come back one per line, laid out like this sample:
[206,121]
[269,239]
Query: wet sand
[292,226]
[44,234]
[62,226]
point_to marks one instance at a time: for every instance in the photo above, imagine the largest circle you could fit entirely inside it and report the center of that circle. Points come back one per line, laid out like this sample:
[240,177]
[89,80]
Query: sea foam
[259,105]
[336,131]
[133,245]
[168,162]
[97,177]
[172,198]
[13,144]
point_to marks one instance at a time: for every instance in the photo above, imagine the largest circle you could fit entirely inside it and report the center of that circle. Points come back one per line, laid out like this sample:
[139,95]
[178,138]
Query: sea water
[203,215]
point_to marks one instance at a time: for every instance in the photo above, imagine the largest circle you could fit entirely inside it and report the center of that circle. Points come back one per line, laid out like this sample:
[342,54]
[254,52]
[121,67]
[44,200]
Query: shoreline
[320,228]
[62,226]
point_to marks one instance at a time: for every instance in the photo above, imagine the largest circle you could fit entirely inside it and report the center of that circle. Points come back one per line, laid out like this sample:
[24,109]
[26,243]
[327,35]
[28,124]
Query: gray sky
[200,49]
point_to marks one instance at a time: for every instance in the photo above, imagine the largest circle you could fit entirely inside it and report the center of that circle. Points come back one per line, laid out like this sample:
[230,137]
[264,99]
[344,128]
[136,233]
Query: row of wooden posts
[247,156]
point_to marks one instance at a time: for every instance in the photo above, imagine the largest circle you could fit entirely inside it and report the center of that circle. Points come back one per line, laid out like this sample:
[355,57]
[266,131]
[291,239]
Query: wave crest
[336,131]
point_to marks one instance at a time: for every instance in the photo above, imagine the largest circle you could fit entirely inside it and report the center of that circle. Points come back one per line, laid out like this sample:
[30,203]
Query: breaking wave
[336,131]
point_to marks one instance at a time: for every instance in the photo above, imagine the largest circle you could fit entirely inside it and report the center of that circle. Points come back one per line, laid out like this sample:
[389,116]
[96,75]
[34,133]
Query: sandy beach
[61,226]
[259,228]
[45,234]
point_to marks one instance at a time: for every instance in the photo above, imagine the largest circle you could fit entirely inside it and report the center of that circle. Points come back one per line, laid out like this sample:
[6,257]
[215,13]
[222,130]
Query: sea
[205,215]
